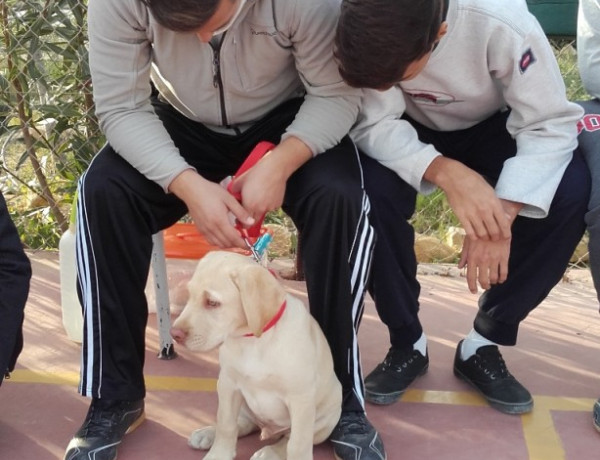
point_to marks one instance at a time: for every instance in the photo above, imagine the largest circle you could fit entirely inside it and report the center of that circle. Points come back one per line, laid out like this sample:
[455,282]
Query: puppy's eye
[212,303]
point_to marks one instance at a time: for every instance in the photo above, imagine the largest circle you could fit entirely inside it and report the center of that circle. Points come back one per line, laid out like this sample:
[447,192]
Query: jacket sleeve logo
[424,97]
[526,60]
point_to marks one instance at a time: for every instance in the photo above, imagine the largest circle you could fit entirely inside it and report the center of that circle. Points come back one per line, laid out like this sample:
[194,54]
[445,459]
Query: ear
[261,295]
[443,30]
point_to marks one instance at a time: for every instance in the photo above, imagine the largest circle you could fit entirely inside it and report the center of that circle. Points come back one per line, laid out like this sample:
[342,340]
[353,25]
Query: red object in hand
[257,153]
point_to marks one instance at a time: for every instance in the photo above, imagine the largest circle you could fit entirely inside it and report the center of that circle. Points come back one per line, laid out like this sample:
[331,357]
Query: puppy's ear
[261,295]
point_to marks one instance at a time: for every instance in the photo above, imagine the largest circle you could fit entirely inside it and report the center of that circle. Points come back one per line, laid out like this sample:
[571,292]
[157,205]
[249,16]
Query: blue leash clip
[259,248]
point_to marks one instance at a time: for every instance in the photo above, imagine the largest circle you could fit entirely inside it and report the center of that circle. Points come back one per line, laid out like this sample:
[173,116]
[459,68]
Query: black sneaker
[390,379]
[354,438]
[103,429]
[596,415]
[487,372]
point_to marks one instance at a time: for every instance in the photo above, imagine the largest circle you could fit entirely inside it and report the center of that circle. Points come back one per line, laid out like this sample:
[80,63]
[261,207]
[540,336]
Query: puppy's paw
[202,438]
[268,453]
[227,455]
[210,456]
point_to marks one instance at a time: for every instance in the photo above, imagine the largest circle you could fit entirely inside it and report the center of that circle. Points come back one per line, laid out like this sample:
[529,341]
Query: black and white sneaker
[486,371]
[596,415]
[354,438]
[390,379]
[103,429]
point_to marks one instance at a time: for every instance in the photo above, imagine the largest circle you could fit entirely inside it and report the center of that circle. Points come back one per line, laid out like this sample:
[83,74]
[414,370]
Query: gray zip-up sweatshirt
[276,50]
[588,45]
[495,55]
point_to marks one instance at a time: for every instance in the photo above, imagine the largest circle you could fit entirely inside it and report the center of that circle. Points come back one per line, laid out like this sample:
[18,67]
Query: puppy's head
[230,294]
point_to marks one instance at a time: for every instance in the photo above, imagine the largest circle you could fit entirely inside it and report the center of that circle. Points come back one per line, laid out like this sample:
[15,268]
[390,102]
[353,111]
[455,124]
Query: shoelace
[102,418]
[354,423]
[399,359]
[491,362]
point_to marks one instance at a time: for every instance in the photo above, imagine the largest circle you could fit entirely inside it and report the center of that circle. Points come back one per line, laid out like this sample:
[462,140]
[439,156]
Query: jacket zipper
[217,80]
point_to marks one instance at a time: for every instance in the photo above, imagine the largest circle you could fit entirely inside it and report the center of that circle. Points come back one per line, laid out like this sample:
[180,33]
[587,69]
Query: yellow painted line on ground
[564,403]
[153,382]
[543,442]
[52,378]
[180,383]
[457,398]
[541,437]
[158,382]
[469,398]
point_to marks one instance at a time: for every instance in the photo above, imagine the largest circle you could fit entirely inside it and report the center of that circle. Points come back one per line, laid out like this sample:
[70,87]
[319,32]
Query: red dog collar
[272,321]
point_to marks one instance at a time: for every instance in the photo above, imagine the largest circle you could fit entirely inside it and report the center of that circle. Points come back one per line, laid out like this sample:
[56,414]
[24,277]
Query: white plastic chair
[161,290]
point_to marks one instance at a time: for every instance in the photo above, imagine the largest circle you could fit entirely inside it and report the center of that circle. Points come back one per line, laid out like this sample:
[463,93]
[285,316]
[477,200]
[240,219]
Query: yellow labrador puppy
[276,368]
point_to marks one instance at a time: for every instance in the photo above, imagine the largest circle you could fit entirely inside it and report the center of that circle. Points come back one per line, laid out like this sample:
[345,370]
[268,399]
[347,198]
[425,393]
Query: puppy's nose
[178,335]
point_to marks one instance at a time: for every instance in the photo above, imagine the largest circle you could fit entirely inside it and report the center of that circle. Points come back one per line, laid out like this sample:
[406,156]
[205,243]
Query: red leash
[261,149]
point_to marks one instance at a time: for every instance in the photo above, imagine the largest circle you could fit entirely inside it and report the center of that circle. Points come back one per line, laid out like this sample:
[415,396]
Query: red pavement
[440,418]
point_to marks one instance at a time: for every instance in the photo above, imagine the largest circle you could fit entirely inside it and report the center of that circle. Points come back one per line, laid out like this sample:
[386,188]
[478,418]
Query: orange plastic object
[184,241]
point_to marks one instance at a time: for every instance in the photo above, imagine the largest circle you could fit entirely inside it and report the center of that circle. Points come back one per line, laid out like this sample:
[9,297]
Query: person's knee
[98,195]
[387,192]
[108,181]
[337,194]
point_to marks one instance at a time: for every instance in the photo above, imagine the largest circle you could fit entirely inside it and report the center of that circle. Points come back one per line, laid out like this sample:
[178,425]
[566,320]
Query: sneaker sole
[340,458]
[136,423]
[385,399]
[133,426]
[596,416]
[507,408]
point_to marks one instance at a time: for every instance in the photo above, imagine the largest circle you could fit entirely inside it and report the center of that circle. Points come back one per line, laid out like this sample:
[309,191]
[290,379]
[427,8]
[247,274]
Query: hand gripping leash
[256,242]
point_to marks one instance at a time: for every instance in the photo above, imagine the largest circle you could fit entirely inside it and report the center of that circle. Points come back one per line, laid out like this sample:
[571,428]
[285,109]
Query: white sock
[472,342]
[421,344]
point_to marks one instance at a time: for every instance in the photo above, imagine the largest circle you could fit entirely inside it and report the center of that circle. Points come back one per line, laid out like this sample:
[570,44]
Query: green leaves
[48,130]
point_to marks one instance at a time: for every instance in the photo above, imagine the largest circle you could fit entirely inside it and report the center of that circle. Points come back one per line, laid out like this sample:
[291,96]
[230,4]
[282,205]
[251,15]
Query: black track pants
[540,248]
[119,210]
[15,275]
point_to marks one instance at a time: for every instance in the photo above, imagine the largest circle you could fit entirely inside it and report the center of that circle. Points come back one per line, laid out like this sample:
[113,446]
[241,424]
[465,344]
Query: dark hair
[182,15]
[376,40]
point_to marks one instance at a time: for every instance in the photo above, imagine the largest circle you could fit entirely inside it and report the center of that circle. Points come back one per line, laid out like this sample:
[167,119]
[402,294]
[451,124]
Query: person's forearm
[289,155]
[443,172]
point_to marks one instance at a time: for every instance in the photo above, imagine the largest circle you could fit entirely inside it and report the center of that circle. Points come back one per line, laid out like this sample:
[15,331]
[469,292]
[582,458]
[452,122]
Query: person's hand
[209,206]
[472,199]
[486,262]
[262,187]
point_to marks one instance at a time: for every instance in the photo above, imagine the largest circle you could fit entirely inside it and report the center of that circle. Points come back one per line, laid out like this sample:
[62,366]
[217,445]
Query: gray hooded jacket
[276,50]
